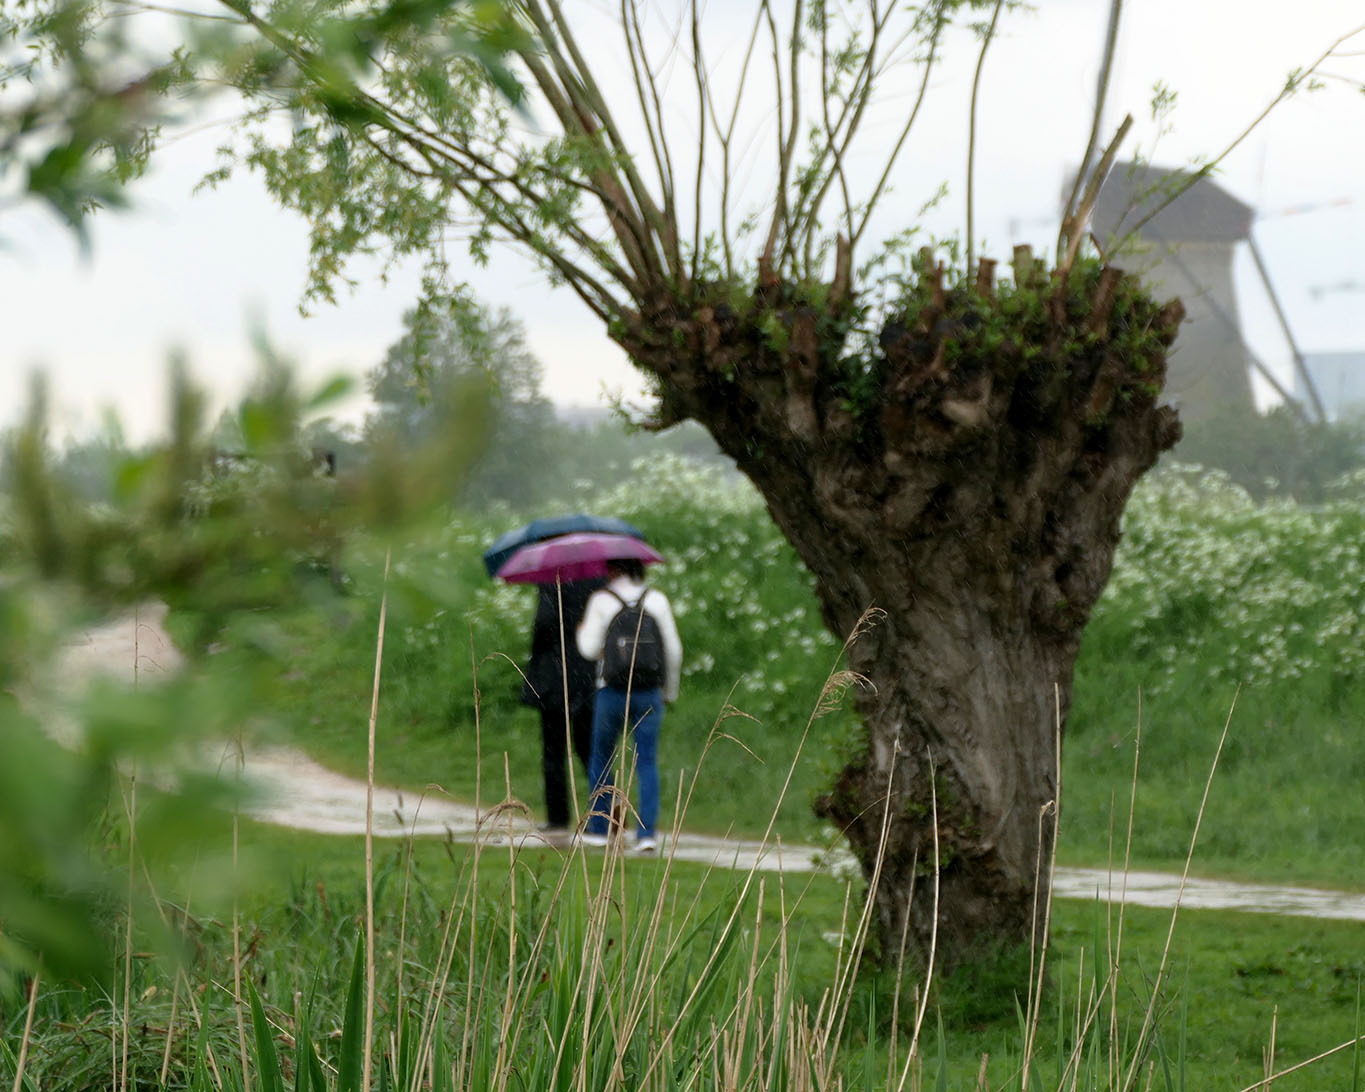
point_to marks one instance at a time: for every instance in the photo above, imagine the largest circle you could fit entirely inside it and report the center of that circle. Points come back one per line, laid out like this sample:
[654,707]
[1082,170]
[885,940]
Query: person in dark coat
[544,689]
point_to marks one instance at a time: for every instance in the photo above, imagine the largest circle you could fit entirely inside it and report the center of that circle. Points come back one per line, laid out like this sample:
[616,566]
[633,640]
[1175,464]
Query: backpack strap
[623,602]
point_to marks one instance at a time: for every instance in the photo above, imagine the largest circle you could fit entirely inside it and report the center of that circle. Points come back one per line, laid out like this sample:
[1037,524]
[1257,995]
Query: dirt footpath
[289,789]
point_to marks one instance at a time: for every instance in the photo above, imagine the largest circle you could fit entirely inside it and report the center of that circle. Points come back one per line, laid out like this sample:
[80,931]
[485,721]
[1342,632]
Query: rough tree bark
[975,498]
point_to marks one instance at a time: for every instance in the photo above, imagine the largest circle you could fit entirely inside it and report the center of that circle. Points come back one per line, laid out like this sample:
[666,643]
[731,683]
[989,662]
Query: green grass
[1280,806]
[1227,977]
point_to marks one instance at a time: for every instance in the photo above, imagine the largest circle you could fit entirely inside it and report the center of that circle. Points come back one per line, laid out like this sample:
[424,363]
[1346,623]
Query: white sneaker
[599,840]
[646,844]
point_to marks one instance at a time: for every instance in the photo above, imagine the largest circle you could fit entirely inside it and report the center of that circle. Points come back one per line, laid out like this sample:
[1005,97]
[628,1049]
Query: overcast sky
[197,273]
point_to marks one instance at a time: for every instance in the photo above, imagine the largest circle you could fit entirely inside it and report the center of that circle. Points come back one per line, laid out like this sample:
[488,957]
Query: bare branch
[644,81]
[626,224]
[825,94]
[725,136]
[443,154]
[433,149]
[794,50]
[1071,227]
[1291,85]
[787,145]
[595,295]
[843,271]
[667,232]
[1106,67]
[486,183]
[971,134]
[940,20]
[698,70]
[850,117]
[830,135]
[444,157]
[572,101]
[670,227]
[480,192]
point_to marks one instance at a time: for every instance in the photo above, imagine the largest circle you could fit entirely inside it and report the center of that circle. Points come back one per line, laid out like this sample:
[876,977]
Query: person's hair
[627,566]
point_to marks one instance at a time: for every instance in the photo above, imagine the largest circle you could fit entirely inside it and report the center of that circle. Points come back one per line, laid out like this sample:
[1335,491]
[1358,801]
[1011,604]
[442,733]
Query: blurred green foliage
[88,88]
[234,543]
[1275,454]
[250,536]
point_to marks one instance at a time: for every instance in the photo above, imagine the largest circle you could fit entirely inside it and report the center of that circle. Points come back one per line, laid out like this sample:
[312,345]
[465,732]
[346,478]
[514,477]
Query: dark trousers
[558,812]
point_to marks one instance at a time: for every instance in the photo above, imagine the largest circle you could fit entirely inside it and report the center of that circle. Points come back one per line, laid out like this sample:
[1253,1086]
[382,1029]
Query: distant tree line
[535,455]
[1275,454]
[445,359]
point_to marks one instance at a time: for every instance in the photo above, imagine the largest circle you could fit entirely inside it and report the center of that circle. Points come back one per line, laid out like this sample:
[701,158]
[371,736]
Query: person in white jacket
[637,708]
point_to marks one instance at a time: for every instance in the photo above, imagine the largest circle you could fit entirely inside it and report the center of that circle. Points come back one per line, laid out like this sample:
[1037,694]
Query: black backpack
[633,658]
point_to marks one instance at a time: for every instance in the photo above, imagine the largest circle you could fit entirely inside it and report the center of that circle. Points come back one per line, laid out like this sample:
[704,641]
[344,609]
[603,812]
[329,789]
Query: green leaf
[941,1081]
[133,475]
[349,1065]
[258,425]
[12,1065]
[268,1075]
[308,1076]
[442,1077]
[337,387]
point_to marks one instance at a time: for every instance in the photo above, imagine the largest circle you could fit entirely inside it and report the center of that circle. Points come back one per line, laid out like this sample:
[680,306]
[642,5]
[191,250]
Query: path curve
[289,789]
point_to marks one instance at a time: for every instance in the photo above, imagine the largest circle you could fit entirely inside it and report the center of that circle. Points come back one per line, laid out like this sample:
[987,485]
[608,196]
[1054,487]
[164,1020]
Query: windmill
[1190,243]
[1317,292]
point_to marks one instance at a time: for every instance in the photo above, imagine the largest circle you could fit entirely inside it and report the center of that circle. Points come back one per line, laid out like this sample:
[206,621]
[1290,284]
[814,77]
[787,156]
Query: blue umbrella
[538,530]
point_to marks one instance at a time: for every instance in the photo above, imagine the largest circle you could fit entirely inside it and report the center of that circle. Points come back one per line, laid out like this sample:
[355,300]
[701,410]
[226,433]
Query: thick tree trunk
[967,480]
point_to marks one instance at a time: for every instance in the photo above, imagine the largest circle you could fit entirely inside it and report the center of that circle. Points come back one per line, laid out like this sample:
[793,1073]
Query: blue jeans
[610,718]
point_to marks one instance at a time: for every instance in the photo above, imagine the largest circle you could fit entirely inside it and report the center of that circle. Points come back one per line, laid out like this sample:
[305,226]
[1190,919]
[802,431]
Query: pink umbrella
[573,557]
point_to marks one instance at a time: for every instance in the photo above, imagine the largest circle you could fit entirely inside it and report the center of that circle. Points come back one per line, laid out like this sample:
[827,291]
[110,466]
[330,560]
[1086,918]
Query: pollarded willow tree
[948,448]
[945,447]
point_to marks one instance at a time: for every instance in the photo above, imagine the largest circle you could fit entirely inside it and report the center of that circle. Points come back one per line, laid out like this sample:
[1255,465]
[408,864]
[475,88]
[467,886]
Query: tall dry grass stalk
[1149,1016]
[1353,1043]
[239,1003]
[1036,981]
[130,806]
[368,1058]
[912,1054]
[568,713]
[1116,955]
[1269,1051]
[180,978]
[27,1037]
